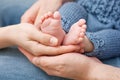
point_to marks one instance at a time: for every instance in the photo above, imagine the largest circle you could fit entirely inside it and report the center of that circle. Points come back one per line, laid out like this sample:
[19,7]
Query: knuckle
[60,68]
[34,51]
[44,64]
[57,71]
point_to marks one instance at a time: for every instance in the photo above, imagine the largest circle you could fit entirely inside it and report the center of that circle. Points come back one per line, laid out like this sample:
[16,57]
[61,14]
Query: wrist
[4,34]
[11,32]
[4,37]
[104,72]
[94,71]
[87,71]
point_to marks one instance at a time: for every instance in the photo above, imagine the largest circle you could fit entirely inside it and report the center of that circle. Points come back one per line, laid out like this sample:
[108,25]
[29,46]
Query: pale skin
[50,23]
[31,39]
[67,61]
[66,65]
[75,66]
[33,14]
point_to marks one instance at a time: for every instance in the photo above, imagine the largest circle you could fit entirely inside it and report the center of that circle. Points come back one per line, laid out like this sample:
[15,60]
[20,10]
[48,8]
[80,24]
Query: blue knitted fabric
[104,10]
[71,12]
[103,21]
[103,27]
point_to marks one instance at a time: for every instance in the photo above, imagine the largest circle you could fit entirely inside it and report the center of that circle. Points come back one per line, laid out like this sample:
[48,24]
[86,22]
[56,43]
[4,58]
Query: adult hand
[71,65]
[32,40]
[25,35]
[41,7]
[76,66]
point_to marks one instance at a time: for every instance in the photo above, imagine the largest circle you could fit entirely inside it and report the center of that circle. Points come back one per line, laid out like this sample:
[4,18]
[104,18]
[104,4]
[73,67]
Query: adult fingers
[43,38]
[30,15]
[48,64]
[38,49]
[54,65]
[27,54]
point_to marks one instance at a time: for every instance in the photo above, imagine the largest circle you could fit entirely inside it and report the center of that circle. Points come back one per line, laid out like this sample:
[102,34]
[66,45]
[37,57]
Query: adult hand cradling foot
[52,35]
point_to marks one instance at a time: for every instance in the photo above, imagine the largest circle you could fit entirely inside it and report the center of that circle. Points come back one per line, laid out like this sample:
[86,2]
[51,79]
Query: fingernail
[53,41]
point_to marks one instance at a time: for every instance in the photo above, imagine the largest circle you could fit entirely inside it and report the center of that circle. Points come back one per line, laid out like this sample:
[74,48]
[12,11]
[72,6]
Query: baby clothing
[71,12]
[103,24]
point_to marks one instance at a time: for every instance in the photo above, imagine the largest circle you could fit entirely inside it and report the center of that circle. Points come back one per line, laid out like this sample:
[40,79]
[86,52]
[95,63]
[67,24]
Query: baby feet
[51,24]
[76,34]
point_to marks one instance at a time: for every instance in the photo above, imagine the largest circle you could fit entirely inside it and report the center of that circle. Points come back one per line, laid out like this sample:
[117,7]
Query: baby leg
[76,34]
[51,24]
[71,12]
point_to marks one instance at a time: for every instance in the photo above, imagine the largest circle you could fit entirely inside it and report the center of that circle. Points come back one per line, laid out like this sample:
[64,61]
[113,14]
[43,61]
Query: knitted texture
[103,24]
[71,12]
[103,27]
[106,11]
[105,45]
